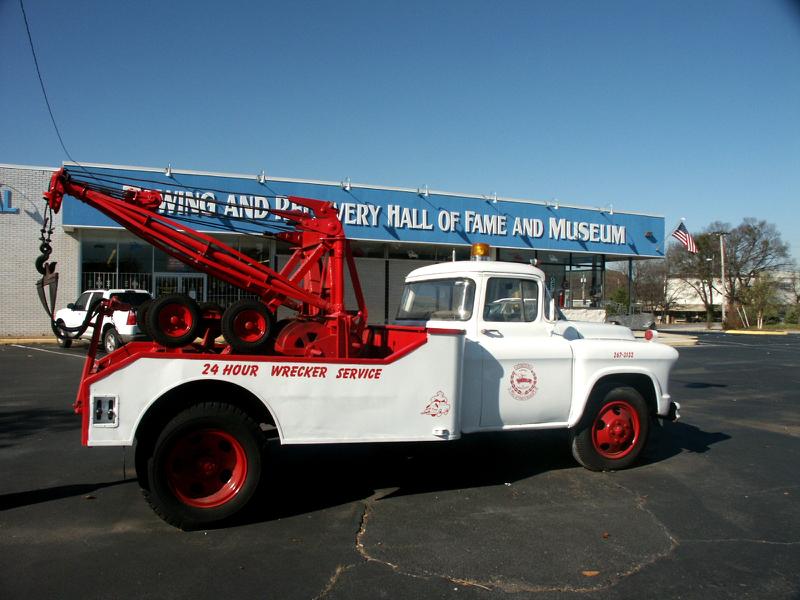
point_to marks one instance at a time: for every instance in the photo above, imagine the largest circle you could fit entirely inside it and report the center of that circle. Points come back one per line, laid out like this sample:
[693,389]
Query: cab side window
[511,300]
[96,297]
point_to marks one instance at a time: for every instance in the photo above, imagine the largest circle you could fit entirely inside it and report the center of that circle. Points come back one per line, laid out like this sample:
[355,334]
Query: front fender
[644,366]
[645,382]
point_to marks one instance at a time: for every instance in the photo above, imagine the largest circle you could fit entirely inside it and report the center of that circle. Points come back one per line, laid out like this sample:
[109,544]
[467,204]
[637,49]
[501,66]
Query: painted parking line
[48,351]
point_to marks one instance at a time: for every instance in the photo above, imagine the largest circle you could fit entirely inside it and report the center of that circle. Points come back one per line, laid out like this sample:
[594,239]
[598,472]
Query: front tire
[204,466]
[613,431]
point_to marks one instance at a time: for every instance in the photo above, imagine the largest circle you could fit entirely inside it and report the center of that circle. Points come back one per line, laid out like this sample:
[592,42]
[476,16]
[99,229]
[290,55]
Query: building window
[113,260]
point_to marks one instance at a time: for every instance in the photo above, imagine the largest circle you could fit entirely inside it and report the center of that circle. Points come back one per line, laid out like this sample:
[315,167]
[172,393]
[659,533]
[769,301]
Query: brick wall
[21,313]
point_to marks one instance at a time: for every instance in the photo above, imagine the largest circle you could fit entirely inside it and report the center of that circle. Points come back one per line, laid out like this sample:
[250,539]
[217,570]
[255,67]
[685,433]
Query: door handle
[490,332]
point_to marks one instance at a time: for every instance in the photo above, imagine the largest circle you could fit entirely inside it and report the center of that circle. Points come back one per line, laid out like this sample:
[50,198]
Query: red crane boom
[312,282]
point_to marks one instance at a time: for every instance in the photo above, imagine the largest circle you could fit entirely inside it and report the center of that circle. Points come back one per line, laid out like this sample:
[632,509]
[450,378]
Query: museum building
[393,231]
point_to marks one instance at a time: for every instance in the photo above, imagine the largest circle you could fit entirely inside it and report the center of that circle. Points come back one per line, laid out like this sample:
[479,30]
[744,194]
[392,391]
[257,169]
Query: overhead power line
[41,82]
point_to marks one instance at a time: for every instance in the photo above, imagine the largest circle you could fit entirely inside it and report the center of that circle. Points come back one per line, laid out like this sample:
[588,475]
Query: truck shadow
[675,438]
[305,479]
[59,492]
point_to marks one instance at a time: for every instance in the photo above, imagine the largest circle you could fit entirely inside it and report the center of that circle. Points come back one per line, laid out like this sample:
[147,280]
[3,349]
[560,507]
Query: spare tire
[173,321]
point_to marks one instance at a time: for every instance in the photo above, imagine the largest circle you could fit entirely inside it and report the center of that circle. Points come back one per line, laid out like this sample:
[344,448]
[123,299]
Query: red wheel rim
[207,468]
[175,320]
[616,430]
[250,325]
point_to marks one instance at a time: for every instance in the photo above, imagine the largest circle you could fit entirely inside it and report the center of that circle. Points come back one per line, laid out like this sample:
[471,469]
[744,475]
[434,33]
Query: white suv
[118,329]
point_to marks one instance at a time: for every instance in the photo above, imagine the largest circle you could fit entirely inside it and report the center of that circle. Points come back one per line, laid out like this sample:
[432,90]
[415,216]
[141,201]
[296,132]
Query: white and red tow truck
[476,346]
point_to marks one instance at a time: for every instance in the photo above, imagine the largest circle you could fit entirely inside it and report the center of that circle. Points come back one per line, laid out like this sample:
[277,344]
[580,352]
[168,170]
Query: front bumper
[673,414]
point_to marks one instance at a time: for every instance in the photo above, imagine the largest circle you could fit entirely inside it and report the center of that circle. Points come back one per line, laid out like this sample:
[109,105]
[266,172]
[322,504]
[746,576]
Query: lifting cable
[260,225]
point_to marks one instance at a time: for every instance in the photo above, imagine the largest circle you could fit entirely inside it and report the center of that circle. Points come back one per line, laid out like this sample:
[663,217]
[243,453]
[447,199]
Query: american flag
[685,238]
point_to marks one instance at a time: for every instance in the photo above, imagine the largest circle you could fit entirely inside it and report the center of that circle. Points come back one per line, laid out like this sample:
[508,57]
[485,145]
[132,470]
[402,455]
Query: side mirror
[71,306]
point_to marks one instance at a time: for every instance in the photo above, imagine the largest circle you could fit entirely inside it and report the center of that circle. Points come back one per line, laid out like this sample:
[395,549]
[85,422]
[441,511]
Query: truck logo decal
[523,382]
[438,406]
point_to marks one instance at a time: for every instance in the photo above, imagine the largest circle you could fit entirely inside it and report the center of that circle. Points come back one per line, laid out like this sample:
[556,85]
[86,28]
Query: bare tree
[750,249]
[653,288]
[760,295]
[697,271]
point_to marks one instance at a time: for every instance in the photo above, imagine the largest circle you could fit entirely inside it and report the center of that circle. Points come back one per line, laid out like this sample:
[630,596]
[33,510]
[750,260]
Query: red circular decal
[523,382]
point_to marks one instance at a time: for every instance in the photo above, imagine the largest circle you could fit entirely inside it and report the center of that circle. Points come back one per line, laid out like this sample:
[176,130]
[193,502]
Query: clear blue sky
[680,108]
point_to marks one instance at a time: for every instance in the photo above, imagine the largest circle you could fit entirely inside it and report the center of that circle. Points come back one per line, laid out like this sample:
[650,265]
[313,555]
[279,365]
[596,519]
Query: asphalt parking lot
[712,510]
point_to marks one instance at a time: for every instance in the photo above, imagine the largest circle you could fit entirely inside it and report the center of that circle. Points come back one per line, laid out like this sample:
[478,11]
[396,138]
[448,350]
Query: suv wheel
[62,338]
[111,340]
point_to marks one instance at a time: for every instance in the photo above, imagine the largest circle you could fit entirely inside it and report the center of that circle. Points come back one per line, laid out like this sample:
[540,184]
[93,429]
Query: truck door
[527,372]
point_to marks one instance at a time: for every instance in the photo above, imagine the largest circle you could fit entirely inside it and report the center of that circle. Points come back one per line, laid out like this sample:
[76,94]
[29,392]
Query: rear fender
[187,393]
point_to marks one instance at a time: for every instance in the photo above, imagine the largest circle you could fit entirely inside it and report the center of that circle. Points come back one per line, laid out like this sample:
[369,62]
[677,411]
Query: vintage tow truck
[477,346]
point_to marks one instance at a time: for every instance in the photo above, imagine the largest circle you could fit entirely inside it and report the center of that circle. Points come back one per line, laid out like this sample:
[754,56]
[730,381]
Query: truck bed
[407,388]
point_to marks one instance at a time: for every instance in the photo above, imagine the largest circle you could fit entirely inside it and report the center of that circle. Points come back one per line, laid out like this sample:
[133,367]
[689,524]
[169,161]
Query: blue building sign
[242,204]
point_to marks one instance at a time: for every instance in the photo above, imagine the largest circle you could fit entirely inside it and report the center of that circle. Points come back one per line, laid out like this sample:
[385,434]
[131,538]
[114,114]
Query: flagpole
[674,229]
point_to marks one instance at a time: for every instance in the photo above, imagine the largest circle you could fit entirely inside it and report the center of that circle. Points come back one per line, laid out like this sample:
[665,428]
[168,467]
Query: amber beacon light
[480,252]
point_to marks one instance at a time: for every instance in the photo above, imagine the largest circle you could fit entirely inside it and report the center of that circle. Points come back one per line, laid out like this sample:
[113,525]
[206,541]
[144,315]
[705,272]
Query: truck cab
[526,367]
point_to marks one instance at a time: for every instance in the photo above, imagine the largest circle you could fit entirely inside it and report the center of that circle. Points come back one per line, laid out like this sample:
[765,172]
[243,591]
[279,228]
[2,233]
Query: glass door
[188,284]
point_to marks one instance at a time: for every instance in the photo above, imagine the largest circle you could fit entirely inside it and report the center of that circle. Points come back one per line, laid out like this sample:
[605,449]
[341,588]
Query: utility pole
[711,289]
[724,285]
[722,260]
[630,286]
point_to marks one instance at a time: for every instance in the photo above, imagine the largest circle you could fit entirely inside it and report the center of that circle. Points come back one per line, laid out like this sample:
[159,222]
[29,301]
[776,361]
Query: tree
[750,249]
[794,287]
[617,301]
[649,279]
[698,271]
[760,295]
[653,288]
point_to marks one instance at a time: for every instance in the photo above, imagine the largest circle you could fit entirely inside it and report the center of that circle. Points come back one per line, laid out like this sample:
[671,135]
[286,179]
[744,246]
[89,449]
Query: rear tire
[62,340]
[613,430]
[204,466]
[111,340]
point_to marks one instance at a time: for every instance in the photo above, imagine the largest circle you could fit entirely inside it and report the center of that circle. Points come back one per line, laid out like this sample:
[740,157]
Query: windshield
[443,299]
[135,299]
